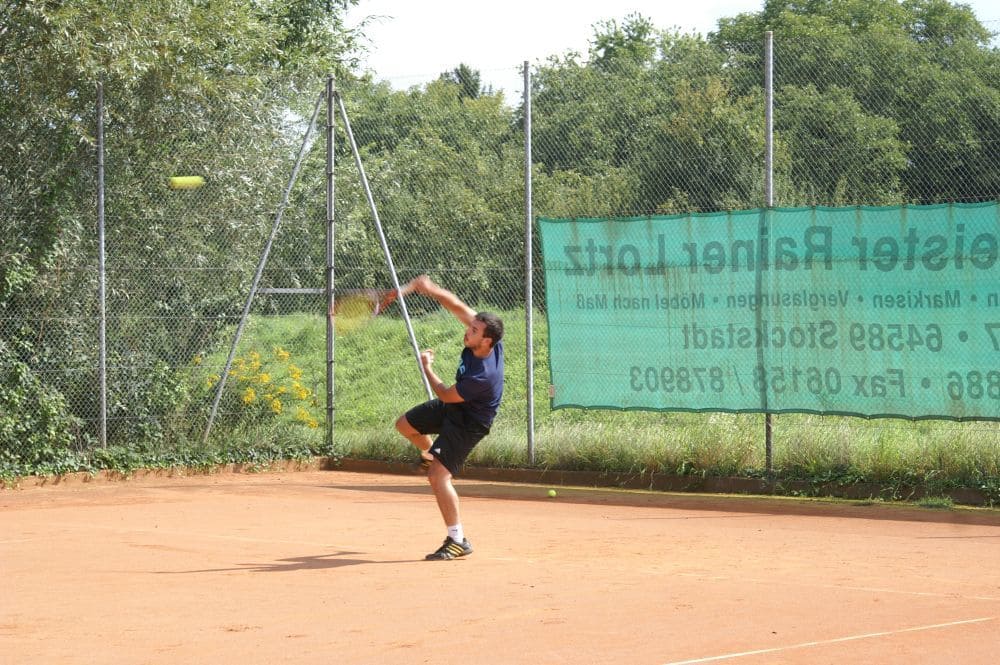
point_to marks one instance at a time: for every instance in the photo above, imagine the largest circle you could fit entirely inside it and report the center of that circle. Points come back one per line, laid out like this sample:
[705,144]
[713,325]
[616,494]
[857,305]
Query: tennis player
[462,413]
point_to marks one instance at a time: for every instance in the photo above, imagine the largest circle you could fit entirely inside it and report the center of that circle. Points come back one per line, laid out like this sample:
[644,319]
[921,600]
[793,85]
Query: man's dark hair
[494,326]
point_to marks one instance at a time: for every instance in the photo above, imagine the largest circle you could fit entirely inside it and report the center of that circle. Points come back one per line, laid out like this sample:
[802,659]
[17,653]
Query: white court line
[841,587]
[806,645]
[932,594]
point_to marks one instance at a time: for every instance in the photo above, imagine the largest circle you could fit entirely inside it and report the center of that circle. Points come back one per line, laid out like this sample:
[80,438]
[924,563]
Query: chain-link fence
[177,267]
[856,122]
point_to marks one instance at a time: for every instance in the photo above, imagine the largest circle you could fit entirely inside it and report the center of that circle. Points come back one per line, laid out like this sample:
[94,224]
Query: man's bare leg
[421,442]
[444,492]
[456,545]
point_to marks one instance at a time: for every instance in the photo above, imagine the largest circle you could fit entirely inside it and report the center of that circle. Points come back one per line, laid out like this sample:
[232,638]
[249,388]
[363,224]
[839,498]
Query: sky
[414,41]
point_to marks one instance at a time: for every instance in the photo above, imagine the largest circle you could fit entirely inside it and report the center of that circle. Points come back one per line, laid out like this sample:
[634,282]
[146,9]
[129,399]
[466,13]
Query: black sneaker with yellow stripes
[451,549]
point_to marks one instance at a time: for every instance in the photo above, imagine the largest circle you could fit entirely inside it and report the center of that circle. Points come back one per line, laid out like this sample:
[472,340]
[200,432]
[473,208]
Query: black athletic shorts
[458,433]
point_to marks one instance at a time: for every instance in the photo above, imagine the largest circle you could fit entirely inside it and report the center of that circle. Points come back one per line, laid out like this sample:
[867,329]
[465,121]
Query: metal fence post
[102,327]
[330,332]
[768,199]
[528,271]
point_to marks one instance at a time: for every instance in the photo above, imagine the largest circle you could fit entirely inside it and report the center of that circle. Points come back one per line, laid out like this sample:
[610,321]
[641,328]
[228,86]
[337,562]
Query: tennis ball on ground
[186,182]
[552,494]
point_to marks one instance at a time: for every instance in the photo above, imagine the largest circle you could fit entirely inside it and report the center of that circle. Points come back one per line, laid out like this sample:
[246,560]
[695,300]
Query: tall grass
[275,407]
[377,379]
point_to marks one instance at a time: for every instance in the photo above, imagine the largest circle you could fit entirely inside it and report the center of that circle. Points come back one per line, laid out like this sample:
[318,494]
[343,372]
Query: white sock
[455,533]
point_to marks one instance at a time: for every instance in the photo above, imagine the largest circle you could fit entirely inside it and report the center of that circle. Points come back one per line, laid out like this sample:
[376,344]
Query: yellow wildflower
[249,395]
[276,405]
[281,354]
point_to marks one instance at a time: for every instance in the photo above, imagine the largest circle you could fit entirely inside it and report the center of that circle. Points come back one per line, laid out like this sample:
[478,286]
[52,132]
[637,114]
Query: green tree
[704,154]
[839,154]
[446,175]
[630,44]
[922,70]
[208,87]
[658,106]
[468,80]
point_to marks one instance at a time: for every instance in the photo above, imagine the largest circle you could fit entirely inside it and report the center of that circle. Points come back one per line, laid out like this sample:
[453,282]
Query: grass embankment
[275,400]
[377,379]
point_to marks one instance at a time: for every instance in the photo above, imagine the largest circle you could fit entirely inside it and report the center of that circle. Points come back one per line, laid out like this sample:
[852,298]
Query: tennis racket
[353,308]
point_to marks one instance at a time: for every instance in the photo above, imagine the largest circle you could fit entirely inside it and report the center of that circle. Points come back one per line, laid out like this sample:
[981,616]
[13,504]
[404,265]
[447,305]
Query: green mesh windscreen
[867,311]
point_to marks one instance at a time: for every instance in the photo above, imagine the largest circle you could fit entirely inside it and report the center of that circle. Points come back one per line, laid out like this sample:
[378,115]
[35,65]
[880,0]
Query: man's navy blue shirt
[480,383]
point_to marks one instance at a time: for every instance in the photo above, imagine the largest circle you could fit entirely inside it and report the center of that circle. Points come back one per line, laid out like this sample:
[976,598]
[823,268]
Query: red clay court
[327,567]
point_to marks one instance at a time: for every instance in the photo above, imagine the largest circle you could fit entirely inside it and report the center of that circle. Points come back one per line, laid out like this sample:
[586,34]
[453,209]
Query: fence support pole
[330,332]
[528,271]
[260,268]
[385,245]
[102,327]
[768,195]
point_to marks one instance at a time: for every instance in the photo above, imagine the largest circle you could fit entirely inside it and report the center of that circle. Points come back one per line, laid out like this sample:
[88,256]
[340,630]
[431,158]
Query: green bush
[36,428]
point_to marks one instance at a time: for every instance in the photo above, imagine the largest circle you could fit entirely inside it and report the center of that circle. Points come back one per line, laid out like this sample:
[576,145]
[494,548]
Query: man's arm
[446,298]
[445,393]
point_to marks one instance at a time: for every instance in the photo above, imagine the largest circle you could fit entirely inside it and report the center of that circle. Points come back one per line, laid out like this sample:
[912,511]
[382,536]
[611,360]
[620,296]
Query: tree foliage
[924,66]
[876,102]
[446,173]
[468,80]
[208,86]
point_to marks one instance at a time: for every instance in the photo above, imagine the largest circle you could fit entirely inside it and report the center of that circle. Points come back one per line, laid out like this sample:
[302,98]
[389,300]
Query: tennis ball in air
[552,494]
[186,182]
